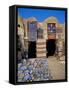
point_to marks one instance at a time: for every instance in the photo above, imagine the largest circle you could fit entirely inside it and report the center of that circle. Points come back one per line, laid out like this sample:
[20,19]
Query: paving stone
[35,64]
[30,67]
[23,68]
[33,70]
[19,79]
[20,71]
[21,75]
[24,61]
[19,65]
[27,77]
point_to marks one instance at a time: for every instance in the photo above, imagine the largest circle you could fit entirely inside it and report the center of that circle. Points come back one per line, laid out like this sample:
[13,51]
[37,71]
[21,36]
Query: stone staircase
[41,48]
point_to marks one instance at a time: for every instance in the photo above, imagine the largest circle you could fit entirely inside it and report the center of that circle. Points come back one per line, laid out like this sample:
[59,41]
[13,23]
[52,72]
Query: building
[42,39]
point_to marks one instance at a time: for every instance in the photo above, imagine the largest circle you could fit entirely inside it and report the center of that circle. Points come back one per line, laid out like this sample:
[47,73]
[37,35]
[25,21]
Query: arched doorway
[51,47]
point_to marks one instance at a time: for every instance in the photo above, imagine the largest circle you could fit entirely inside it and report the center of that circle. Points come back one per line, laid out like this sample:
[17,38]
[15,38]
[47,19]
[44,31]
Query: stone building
[42,39]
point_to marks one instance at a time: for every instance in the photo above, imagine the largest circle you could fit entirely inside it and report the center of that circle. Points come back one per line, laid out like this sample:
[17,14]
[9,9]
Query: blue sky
[41,14]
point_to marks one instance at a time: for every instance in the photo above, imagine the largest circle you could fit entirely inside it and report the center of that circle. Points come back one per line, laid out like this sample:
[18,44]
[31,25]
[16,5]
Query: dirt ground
[56,67]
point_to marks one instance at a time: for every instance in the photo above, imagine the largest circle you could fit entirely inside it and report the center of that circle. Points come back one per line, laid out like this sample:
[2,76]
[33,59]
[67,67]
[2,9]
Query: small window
[32,31]
[40,33]
[51,27]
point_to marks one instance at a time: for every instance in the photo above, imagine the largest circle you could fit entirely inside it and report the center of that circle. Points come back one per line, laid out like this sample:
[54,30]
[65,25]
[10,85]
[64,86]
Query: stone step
[43,46]
[41,43]
[41,49]
[41,40]
[41,54]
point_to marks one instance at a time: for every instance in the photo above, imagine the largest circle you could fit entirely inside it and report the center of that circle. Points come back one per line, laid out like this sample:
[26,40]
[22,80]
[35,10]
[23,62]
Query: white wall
[4,44]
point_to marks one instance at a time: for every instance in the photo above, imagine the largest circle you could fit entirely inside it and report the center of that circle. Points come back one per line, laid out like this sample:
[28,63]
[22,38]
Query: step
[41,40]
[43,46]
[41,43]
[41,49]
[41,54]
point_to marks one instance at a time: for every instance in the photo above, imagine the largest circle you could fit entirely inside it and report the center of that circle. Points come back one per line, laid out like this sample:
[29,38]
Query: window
[32,31]
[40,33]
[51,27]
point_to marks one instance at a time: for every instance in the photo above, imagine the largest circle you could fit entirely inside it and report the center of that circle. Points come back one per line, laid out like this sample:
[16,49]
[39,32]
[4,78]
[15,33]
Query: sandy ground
[56,67]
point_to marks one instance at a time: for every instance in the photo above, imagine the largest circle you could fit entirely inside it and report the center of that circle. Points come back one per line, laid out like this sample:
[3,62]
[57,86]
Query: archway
[51,47]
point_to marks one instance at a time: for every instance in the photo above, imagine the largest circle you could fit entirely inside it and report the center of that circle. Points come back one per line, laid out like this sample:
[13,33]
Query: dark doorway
[32,49]
[51,47]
